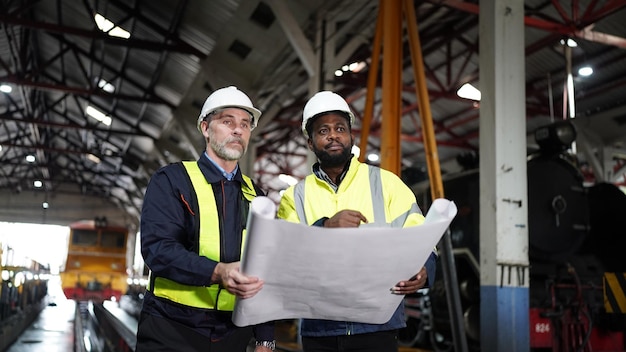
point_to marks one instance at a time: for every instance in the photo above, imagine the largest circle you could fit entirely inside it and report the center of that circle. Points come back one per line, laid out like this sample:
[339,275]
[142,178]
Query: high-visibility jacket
[214,296]
[378,194]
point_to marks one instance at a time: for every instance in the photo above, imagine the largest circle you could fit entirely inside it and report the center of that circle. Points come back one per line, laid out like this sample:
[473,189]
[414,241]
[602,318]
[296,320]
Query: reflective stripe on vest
[376,191]
[209,246]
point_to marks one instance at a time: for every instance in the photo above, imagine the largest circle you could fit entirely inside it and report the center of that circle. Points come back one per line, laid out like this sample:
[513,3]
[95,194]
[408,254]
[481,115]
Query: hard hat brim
[256,113]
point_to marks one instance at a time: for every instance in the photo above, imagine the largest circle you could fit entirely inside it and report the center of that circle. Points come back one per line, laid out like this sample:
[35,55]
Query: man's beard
[223,151]
[334,160]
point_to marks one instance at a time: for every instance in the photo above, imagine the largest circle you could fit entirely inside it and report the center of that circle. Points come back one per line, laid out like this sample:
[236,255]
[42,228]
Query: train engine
[577,233]
[95,268]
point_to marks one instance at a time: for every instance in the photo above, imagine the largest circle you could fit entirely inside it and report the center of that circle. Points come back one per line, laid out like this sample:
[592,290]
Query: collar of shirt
[228,175]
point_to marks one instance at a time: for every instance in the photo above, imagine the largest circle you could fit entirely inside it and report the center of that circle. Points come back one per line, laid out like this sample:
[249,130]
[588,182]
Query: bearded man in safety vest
[343,192]
[192,232]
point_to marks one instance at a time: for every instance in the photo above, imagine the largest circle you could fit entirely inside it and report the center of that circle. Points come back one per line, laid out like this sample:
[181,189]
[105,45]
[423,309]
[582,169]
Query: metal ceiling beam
[9,117]
[52,149]
[297,39]
[173,44]
[80,91]
[117,73]
[572,24]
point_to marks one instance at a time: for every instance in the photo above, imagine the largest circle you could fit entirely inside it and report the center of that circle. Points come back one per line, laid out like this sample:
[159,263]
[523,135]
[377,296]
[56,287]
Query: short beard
[223,151]
[335,160]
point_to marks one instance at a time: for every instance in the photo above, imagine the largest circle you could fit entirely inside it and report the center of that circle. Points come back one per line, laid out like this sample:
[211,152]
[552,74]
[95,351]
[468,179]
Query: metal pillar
[504,276]
[391,82]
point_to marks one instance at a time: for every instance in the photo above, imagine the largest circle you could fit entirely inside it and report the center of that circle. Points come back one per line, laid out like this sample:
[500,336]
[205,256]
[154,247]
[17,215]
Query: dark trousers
[156,334]
[382,341]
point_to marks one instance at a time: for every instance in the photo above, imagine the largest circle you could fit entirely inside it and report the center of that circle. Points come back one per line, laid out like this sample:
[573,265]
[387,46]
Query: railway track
[104,327]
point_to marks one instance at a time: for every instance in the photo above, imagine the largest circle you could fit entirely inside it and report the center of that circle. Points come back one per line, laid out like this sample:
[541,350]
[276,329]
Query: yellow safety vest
[214,296]
[378,194]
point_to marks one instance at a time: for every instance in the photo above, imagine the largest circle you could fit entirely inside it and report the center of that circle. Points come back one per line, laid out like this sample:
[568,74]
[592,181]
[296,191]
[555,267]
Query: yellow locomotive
[95,268]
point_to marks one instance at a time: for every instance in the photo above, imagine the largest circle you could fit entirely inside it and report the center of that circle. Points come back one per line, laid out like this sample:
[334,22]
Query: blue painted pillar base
[504,324]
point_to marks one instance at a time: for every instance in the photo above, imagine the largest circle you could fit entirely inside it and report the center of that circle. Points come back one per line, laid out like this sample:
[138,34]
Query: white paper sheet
[340,274]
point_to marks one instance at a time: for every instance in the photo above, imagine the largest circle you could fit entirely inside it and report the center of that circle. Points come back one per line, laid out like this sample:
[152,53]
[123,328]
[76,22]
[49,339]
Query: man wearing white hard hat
[343,192]
[192,234]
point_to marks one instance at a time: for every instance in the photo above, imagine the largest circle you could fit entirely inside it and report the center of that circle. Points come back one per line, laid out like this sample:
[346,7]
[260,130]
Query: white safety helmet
[324,101]
[229,97]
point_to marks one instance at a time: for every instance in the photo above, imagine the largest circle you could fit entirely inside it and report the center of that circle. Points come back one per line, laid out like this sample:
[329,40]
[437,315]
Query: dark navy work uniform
[169,243]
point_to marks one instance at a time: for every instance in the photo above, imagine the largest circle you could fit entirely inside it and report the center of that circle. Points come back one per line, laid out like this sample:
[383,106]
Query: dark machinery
[577,236]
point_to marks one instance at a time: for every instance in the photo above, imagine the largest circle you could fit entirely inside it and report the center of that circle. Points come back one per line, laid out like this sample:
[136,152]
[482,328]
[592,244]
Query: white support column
[503,181]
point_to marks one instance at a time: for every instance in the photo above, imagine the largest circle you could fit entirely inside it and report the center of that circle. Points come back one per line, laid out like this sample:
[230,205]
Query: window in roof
[240,49]
[263,15]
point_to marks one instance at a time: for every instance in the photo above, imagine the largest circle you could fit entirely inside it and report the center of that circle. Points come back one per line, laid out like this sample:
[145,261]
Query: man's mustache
[235,139]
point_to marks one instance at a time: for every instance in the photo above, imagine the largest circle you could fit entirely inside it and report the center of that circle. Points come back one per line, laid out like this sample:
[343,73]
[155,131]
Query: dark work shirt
[169,242]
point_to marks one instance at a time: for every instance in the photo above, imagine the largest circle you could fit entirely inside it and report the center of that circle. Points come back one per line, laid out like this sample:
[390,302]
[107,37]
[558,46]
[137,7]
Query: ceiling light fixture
[98,115]
[106,86]
[357,66]
[468,91]
[585,71]
[93,158]
[569,42]
[5,88]
[109,27]
[353,67]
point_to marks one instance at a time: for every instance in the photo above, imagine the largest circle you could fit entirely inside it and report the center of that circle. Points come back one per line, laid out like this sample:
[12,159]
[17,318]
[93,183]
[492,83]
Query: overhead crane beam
[434,175]
[389,32]
[390,152]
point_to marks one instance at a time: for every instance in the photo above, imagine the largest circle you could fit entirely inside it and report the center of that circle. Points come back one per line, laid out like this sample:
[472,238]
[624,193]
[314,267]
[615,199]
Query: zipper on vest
[222,238]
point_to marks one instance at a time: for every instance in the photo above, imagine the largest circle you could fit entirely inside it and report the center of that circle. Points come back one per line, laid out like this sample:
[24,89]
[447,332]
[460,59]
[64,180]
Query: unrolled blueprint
[340,274]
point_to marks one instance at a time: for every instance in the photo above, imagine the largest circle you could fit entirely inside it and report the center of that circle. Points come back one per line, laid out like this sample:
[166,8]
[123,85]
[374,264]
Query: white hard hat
[324,101]
[229,97]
